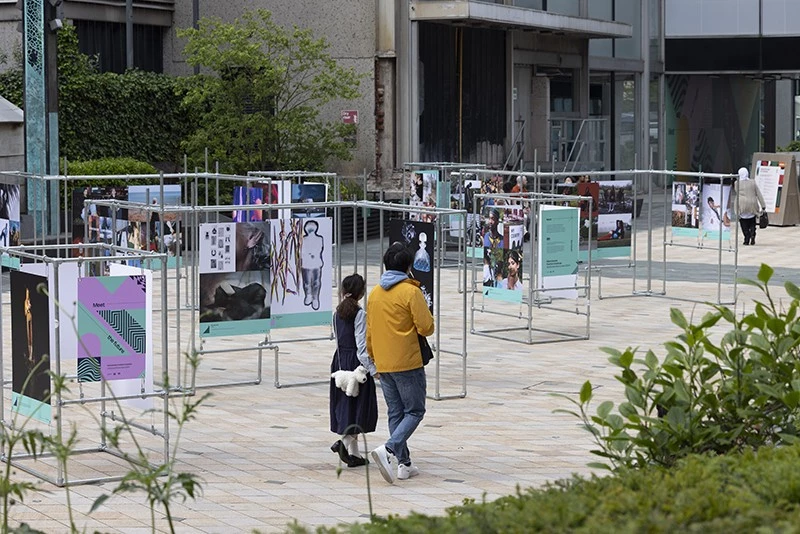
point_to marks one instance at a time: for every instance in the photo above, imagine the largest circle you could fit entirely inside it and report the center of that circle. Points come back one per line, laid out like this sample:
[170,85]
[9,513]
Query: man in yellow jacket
[396,313]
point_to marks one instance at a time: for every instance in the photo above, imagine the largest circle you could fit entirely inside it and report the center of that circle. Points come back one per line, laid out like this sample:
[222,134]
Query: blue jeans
[404,393]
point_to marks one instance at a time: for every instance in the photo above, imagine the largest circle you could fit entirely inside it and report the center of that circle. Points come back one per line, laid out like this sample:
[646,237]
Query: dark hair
[398,258]
[494,212]
[516,256]
[353,286]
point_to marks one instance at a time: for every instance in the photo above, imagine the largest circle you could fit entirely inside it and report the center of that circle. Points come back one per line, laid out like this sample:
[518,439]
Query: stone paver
[263,453]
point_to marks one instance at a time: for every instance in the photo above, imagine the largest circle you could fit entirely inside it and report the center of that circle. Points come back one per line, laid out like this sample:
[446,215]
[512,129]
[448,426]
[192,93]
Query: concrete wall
[12,147]
[10,38]
[349,27]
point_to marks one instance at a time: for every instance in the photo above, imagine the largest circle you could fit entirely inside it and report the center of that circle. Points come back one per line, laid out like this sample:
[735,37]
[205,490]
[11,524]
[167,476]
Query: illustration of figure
[422,260]
[28,309]
[285,275]
[312,263]
[4,236]
[409,232]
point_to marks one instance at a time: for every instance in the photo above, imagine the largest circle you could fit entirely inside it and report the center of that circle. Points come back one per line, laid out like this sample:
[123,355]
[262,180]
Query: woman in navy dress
[350,416]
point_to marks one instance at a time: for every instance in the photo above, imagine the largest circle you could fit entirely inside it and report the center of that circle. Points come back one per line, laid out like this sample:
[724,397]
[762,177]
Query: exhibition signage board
[301,263]
[30,346]
[775,175]
[503,235]
[144,383]
[558,250]
[610,222]
[418,237]
[234,278]
[264,193]
[112,322]
[423,193]
[9,222]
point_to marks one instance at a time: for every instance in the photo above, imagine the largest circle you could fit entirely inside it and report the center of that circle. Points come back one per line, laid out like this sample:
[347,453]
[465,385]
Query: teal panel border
[507,295]
[11,263]
[28,407]
[293,320]
[234,328]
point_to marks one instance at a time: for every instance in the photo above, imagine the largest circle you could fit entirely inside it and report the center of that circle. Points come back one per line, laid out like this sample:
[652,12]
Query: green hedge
[109,166]
[136,114]
[733,493]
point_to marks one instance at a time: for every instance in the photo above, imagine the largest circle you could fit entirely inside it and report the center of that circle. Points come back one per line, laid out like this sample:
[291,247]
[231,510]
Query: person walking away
[396,314]
[351,416]
[749,203]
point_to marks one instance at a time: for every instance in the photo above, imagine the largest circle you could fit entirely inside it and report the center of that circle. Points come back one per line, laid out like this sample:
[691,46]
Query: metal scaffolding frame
[536,297]
[53,260]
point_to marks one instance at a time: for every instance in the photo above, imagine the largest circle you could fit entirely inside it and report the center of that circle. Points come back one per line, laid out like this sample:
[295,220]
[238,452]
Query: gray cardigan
[749,202]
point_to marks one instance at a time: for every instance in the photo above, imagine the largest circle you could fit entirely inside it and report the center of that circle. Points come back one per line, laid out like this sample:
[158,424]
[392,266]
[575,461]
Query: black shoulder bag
[425,349]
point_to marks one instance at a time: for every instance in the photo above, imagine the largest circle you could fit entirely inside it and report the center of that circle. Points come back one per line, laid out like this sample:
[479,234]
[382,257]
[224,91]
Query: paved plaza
[263,452]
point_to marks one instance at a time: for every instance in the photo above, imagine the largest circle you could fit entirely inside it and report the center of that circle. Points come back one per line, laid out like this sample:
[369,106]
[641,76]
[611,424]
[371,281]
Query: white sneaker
[404,472]
[382,458]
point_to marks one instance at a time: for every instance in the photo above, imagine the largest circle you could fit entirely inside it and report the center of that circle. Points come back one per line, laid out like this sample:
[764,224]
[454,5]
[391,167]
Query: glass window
[530,4]
[564,7]
[561,94]
[629,12]
[625,121]
[602,10]
[655,30]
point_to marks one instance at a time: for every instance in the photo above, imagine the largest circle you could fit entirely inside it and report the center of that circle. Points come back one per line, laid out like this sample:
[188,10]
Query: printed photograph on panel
[243,196]
[30,345]
[418,237]
[423,193]
[503,238]
[150,224]
[9,215]
[309,192]
[615,213]
[234,278]
[686,204]
[237,296]
[714,215]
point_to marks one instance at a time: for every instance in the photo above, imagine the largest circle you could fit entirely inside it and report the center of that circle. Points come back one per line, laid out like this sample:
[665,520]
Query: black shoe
[340,449]
[356,461]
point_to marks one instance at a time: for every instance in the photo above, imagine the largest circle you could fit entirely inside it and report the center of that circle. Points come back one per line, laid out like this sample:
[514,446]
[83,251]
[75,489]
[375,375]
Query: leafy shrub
[11,86]
[104,166]
[702,493]
[794,146]
[740,393]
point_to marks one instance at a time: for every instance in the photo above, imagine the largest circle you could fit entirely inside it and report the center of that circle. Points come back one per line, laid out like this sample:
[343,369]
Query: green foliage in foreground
[734,493]
[709,393]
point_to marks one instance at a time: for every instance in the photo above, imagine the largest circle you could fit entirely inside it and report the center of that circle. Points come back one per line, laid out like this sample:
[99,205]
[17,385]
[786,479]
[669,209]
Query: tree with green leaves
[260,94]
